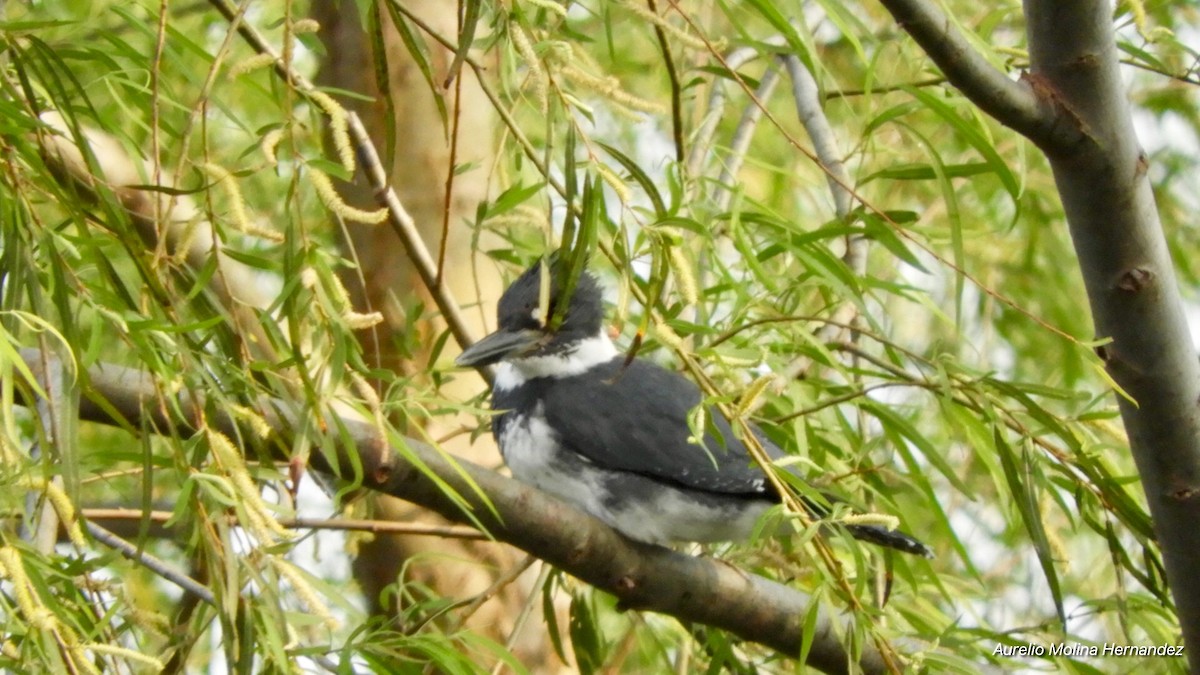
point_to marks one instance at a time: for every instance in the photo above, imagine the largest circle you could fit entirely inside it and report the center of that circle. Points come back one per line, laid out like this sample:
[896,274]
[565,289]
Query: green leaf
[970,132]
[1023,486]
[418,51]
[585,636]
[883,233]
[648,186]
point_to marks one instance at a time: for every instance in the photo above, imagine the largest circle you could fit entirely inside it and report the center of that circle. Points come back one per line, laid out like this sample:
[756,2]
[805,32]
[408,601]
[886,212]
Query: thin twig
[1013,104]
[717,98]
[1180,77]
[806,96]
[673,79]
[405,228]
[884,89]
[344,524]
[850,396]
[451,169]
[523,616]
[150,562]
[473,605]
[739,143]
[53,415]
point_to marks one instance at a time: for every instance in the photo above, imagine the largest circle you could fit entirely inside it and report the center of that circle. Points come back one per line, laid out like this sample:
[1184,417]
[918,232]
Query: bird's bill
[499,346]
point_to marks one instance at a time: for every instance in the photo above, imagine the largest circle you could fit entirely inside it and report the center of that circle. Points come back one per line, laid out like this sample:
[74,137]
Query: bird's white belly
[532,454]
[672,516]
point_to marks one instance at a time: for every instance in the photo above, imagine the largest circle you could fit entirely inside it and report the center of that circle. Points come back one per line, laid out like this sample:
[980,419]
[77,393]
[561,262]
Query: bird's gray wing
[635,419]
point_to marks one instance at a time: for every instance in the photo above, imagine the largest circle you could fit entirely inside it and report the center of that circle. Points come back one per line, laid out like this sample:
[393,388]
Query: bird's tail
[873,534]
[894,539]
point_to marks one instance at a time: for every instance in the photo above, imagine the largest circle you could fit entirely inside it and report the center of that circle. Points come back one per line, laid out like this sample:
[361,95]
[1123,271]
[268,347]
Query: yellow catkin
[622,300]
[667,336]
[255,516]
[1137,9]
[261,522]
[610,88]
[752,394]
[614,181]
[269,143]
[8,450]
[549,5]
[124,653]
[37,615]
[543,307]
[256,421]
[365,390]
[683,275]
[309,278]
[60,502]
[338,293]
[689,41]
[66,512]
[82,662]
[878,519]
[537,75]
[701,419]
[1058,549]
[237,203]
[229,186]
[360,321]
[339,127]
[333,201]
[303,26]
[146,619]
[304,591]
[251,64]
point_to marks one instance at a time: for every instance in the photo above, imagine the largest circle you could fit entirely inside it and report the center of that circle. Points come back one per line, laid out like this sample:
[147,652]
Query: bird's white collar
[584,356]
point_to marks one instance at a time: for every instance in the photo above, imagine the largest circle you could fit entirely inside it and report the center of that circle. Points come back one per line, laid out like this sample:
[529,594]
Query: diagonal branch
[641,576]
[1013,104]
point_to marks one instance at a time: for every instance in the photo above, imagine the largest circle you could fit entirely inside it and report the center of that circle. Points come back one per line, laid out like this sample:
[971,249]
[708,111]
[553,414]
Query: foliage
[948,378]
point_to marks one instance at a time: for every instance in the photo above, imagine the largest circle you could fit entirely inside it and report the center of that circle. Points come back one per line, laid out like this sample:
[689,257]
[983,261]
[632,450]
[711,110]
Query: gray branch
[1129,277]
[641,576]
[150,562]
[1013,104]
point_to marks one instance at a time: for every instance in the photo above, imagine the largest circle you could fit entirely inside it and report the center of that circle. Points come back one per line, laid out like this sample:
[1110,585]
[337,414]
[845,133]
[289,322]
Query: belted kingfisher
[612,438]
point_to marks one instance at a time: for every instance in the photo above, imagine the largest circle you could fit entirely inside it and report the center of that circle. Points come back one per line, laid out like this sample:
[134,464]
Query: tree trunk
[418,173]
[1129,277]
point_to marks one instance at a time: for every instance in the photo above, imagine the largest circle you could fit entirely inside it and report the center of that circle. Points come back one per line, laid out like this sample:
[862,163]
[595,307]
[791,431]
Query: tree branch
[152,563]
[1013,104]
[641,576]
[1130,279]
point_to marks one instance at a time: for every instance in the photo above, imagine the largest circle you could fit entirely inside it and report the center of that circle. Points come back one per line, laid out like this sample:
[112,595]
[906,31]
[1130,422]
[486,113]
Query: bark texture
[388,281]
[1080,117]
[1130,279]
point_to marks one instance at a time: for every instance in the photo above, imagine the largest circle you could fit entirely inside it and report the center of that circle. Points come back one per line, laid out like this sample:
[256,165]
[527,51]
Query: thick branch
[1130,280]
[642,576]
[1013,104]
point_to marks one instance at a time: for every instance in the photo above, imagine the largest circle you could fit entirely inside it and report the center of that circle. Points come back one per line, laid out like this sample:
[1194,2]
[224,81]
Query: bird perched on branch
[612,438]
